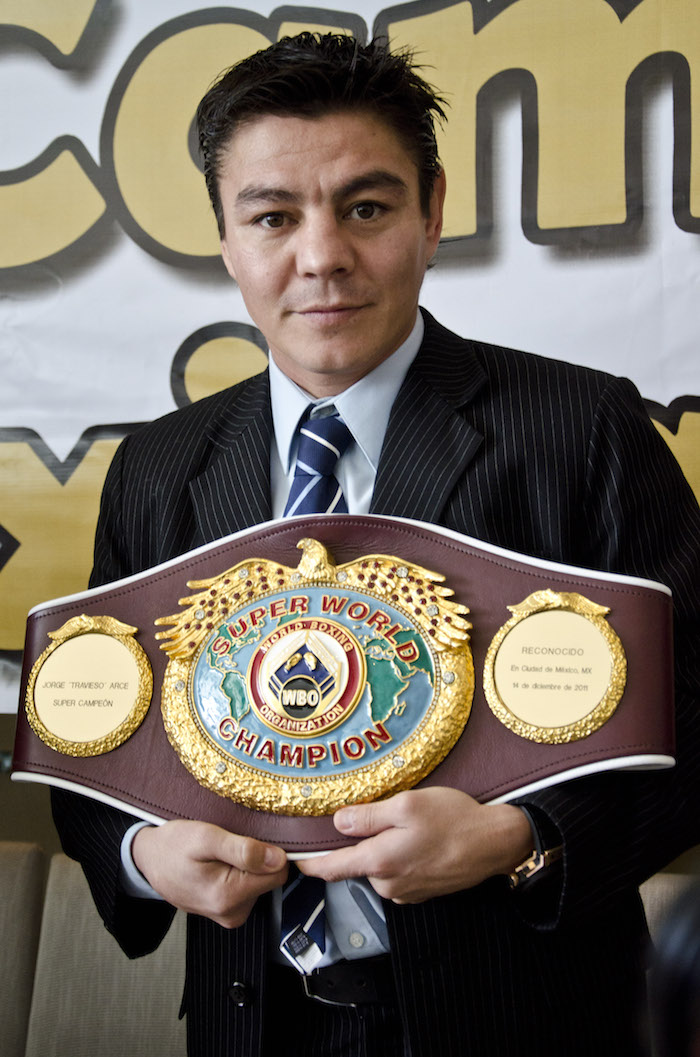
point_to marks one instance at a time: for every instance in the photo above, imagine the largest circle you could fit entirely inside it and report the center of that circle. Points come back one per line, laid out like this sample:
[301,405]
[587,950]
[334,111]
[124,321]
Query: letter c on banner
[49,203]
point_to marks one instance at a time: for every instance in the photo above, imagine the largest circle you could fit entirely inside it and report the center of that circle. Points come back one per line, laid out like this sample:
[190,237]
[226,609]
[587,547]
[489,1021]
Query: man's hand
[205,870]
[425,843]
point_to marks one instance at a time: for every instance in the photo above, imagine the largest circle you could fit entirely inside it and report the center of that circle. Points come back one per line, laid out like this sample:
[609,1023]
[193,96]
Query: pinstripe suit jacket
[528,453]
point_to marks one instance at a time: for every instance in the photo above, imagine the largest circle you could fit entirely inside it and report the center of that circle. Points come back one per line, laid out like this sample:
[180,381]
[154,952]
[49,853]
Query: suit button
[240,994]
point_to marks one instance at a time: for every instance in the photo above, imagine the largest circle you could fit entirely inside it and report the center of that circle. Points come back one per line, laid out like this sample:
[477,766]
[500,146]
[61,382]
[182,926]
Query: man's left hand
[425,843]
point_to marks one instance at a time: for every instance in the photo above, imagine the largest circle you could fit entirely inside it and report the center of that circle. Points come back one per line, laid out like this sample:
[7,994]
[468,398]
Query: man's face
[327,241]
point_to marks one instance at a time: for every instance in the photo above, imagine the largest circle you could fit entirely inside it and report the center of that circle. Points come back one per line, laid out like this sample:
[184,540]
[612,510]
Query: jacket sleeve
[91,832]
[639,517]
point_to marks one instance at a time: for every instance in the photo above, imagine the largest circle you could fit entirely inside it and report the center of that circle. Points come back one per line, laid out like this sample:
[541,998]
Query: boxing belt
[263,681]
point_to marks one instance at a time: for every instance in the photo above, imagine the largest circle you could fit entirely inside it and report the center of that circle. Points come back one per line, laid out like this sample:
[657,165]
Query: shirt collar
[364,407]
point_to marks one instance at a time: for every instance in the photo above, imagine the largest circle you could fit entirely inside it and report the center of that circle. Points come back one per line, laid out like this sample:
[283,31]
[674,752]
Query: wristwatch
[540,858]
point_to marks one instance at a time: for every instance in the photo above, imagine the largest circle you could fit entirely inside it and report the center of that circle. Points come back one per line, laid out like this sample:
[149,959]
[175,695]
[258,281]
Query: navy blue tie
[315,489]
[303,930]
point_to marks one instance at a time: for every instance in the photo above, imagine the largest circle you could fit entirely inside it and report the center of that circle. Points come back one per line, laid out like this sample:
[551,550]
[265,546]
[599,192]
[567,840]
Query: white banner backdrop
[111,313]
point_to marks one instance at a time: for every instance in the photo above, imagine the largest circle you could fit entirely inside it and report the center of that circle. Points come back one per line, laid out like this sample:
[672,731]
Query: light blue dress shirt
[364,408]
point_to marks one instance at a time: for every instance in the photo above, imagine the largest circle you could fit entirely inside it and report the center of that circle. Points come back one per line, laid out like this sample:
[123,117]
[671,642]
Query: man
[321,163]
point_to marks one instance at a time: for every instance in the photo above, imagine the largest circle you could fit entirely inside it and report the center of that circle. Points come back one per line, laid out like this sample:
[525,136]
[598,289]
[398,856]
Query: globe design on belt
[299,690]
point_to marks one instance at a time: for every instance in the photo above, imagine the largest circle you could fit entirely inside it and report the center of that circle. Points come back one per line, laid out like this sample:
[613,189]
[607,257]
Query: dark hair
[311,75]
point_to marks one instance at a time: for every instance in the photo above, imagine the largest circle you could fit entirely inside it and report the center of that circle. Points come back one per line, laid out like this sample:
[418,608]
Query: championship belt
[264,681]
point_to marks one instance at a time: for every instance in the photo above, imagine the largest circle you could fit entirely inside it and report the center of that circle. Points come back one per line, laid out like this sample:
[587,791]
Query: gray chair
[22,879]
[89,998]
[659,893]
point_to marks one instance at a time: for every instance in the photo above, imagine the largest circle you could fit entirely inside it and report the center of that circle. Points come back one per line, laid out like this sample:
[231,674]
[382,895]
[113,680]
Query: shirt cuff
[131,879]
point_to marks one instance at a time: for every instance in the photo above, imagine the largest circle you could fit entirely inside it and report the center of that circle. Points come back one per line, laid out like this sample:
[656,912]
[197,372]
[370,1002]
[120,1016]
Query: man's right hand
[203,869]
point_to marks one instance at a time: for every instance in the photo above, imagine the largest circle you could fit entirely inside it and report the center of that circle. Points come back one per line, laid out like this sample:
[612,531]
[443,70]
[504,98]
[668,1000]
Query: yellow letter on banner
[43,213]
[581,57]
[444,44]
[61,23]
[685,445]
[48,563]
[47,205]
[159,182]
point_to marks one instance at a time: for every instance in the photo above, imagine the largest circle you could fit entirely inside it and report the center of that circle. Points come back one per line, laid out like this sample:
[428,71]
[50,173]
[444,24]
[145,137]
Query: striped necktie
[303,929]
[315,489]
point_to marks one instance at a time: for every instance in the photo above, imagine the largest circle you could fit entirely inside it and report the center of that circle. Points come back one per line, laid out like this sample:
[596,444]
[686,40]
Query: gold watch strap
[540,857]
[533,864]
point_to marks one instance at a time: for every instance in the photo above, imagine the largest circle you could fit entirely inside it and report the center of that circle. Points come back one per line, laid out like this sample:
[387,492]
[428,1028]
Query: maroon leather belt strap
[490,760]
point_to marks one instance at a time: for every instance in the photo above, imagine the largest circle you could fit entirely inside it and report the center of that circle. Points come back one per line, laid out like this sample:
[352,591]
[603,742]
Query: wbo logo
[307,677]
[299,690]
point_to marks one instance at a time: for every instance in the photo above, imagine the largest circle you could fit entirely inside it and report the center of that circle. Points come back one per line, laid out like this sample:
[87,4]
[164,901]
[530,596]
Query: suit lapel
[429,441]
[234,491]
[428,445]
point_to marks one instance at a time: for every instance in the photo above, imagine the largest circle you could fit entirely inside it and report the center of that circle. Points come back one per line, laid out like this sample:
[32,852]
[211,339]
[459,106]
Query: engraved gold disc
[91,688]
[555,672]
